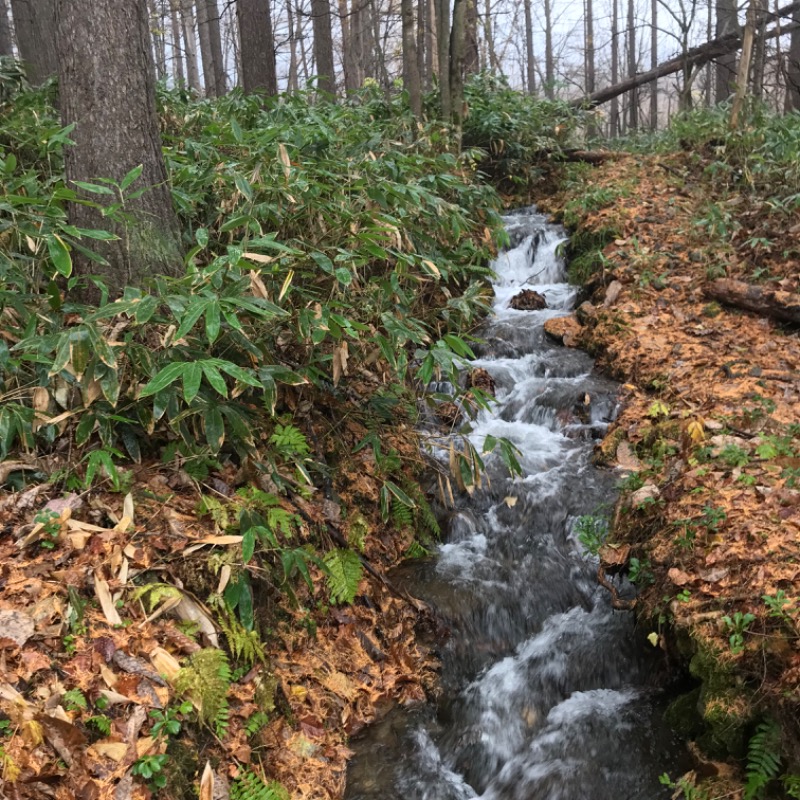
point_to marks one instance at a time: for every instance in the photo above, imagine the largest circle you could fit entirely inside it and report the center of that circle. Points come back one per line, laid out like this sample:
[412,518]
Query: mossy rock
[728,720]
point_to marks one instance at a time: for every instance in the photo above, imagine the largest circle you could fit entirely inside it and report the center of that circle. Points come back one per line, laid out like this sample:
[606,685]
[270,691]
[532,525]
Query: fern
[289,441]
[763,759]
[244,645]
[344,575]
[205,681]
[425,522]
[255,723]
[792,785]
[216,509]
[249,786]
[402,515]
[151,594]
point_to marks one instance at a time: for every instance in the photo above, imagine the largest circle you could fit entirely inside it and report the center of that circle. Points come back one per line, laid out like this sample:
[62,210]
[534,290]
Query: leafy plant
[763,759]
[205,681]
[592,532]
[75,700]
[249,786]
[738,625]
[151,768]
[344,574]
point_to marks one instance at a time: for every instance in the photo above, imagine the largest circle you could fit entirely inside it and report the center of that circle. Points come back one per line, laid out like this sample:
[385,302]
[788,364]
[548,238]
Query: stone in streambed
[528,300]
[565,330]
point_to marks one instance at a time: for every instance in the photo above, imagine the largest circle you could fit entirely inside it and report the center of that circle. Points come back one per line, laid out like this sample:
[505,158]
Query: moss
[585,252]
[684,715]
[727,718]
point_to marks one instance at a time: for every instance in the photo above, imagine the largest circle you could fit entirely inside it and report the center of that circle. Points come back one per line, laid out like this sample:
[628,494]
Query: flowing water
[547,692]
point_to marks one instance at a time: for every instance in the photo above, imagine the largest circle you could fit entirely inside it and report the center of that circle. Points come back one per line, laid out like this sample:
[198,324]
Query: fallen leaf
[15,627]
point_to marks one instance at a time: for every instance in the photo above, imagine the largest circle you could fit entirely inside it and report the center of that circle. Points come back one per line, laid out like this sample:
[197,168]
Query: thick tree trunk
[431,57]
[258,50]
[777,305]
[6,41]
[472,59]
[421,17]
[793,68]
[695,57]
[530,65]
[411,79]
[35,25]
[157,26]
[107,89]
[727,23]
[190,46]
[323,46]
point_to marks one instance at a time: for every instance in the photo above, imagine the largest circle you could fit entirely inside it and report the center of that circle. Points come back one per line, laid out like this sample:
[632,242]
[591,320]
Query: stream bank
[708,435]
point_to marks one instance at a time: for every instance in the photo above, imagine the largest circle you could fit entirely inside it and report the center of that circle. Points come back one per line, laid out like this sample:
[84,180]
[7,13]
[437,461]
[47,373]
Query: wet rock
[648,493]
[586,313]
[565,330]
[612,293]
[481,379]
[528,300]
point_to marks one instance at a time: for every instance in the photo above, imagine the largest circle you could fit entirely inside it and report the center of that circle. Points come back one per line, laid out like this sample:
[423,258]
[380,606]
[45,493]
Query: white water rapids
[546,689]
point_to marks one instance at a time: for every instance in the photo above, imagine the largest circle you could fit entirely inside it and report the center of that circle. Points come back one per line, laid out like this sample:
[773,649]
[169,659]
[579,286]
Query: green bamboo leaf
[215,428]
[399,494]
[212,321]
[164,378]
[80,350]
[193,312]
[59,255]
[239,373]
[131,177]
[214,377]
[94,188]
[192,376]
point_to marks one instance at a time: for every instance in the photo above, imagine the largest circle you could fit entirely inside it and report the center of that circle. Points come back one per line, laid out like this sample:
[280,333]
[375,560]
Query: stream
[547,692]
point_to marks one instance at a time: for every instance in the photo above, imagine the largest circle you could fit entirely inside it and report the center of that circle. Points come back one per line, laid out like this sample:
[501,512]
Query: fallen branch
[695,57]
[771,303]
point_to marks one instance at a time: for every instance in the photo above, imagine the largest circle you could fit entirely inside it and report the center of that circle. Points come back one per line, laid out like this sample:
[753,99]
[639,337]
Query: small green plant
[255,723]
[763,759]
[206,680]
[779,606]
[592,532]
[51,528]
[684,787]
[640,572]
[249,786]
[737,626]
[734,456]
[713,517]
[684,596]
[75,700]
[151,768]
[167,722]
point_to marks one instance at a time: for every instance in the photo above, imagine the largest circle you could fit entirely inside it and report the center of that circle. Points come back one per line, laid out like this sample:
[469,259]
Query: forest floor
[708,523]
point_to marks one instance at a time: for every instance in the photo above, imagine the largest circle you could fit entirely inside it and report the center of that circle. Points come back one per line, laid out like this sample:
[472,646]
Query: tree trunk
[727,23]
[190,46]
[431,59]
[177,44]
[351,83]
[443,47]
[35,25]
[457,47]
[421,17]
[633,98]
[157,20]
[759,59]
[549,57]
[793,67]
[472,62]
[745,62]
[323,46]
[654,64]
[6,41]
[292,83]
[411,79]
[614,115]
[778,305]
[589,59]
[215,31]
[258,49]
[107,88]
[530,66]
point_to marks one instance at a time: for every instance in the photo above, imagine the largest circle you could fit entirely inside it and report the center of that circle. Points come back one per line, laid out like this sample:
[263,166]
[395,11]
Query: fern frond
[763,759]
[255,723]
[151,594]
[344,575]
[249,786]
[402,515]
[791,783]
[279,519]
[289,441]
[205,681]
[245,646]
[425,522]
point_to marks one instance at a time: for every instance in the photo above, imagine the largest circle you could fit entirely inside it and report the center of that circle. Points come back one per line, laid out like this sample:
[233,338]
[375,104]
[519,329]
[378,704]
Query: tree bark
[793,67]
[457,46]
[777,305]
[177,43]
[258,49]
[107,89]
[35,26]
[696,56]
[6,40]
[411,78]
[210,36]
[614,115]
[215,32]
[727,24]
[589,59]
[654,64]
[472,63]
[157,20]
[744,62]
[549,57]
[349,66]
[190,46]
[633,97]
[323,46]
[443,47]
[530,66]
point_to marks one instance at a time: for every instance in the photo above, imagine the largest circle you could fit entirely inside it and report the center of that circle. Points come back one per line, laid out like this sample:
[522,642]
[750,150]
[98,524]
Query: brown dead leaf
[16,627]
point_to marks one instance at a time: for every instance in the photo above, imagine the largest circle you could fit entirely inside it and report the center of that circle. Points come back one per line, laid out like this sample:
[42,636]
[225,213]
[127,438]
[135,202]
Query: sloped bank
[708,518]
